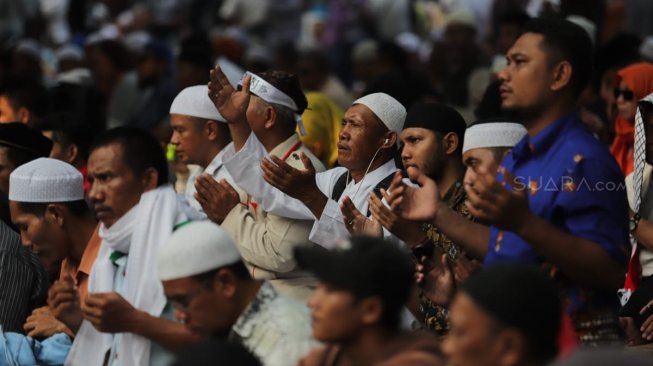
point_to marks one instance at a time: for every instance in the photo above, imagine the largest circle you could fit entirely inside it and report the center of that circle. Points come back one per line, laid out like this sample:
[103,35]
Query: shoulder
[414,348]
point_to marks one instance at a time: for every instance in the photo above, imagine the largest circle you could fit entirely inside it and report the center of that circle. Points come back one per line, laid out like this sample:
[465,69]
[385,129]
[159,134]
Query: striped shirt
[23,281]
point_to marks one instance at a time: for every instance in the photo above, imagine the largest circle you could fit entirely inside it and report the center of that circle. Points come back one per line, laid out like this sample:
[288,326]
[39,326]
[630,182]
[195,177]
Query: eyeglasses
[627,94]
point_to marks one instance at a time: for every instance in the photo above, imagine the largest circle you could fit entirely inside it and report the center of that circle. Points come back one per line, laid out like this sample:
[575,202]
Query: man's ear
[561,76]
[390,139]
[55,213]
[23,115]
[225,282]
[371,310]
[72,153]
[150,179]
[450,143]
[211,129]
[270,115]
[511,347]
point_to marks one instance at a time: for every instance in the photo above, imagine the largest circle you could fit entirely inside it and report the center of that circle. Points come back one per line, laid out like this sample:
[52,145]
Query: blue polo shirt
[575,184]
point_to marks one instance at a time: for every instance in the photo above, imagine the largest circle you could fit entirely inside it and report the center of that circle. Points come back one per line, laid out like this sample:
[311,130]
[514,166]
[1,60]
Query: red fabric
[567,339]
[622,146]
[639,79]
[634,270]
[87,184]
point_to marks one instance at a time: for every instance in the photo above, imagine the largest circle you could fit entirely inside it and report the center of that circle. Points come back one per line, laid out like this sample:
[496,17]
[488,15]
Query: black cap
[20,136]
[363,265]
[520,296]
[437,117]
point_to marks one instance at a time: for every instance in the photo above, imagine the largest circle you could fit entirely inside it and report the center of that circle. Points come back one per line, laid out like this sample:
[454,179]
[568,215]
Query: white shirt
[195,211]
[244,167]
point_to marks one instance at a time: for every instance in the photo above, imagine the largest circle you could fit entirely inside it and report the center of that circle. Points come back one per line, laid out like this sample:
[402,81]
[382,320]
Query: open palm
[231,104]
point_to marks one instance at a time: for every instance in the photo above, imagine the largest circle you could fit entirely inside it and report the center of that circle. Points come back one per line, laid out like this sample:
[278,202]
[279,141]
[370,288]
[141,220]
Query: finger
[647,328]
[396,181]
[282,165]
[209,185]
[227,187]
[63,298]
[308,164]
[271,168]
[646,307]
[29,326]
[385,195]
[247,81]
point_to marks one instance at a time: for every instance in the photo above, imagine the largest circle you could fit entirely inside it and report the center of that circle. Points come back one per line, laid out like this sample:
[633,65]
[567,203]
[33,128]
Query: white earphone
[386,141]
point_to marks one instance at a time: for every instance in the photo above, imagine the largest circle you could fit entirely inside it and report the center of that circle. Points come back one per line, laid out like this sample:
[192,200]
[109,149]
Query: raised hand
[296,183]
[489,201]
[408,231]
[436,280]
[231,104]
[416,204]
[356,222]
[216,198]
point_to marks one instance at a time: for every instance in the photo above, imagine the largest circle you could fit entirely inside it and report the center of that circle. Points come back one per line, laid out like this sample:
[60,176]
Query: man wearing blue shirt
[558,200]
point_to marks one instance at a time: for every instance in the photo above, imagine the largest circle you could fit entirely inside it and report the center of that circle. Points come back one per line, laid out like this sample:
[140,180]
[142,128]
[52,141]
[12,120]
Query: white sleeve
[330,227]
[244,167]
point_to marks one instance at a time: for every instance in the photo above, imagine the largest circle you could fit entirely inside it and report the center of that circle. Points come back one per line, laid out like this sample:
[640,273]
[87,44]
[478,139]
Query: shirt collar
[216,163]
[541,142]
[281,149]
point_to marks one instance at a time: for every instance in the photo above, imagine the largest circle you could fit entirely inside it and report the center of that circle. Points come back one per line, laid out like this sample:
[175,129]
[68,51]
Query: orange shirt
[81,273]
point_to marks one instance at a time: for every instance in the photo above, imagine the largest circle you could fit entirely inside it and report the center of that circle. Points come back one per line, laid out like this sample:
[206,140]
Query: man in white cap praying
[200,135]
[46,199]
[264,122]
[127,320]
[366,151]
[206,280]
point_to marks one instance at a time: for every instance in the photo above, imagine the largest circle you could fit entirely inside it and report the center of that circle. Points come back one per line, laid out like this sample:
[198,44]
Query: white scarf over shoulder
[139,233]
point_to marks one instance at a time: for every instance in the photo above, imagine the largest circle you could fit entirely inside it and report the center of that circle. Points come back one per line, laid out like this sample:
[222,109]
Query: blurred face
[115,189]
[41,234]
[471,341]
[360,137]
[189,139]
[336,316]
[478,161]
[526,80]
[7,113]
[506,36]
[6,167]
[197,305]
[626,101]
[422,149]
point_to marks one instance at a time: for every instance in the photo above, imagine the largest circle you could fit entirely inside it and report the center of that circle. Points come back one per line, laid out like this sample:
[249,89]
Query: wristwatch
[633,222]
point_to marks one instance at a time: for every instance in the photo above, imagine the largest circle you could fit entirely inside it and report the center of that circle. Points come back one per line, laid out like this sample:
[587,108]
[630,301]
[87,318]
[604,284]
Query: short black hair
[140,150]
[67,130]
[23,92]
[565,41]
[77,208]
[215,351]
[289,84]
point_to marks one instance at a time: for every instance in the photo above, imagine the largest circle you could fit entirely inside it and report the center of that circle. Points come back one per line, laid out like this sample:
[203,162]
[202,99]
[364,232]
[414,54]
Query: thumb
[68,279]
[247,81]
[416,175]
[308,164]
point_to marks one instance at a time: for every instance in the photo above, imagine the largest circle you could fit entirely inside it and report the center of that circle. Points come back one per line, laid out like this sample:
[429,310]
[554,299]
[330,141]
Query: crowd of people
[368,182]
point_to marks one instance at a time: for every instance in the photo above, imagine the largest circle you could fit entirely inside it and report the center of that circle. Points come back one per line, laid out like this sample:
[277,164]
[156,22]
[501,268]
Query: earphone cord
[366,171]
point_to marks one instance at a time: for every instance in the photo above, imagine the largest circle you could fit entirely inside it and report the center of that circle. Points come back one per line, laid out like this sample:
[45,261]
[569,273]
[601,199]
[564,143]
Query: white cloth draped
[139,233]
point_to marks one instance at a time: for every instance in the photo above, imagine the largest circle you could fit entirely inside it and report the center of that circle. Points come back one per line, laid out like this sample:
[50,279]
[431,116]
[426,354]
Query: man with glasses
[206,280]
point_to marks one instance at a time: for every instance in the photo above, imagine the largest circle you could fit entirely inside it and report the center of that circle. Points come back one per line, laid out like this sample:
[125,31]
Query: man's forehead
[105,157]
[527,43]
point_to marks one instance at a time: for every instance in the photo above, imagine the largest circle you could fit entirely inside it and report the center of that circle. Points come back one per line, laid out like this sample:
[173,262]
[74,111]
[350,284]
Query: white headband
[271,94]
[494,134]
